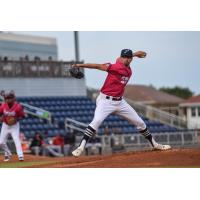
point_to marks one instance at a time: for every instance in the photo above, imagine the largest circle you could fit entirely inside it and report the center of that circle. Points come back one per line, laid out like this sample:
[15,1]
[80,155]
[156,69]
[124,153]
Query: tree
[178,91]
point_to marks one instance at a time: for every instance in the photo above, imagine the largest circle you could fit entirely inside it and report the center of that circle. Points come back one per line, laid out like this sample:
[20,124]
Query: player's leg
[15,132]
[3,140]
[103,109]
[131,115]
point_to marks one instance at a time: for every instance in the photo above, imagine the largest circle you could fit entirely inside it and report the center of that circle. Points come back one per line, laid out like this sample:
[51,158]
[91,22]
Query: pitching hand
[140,54]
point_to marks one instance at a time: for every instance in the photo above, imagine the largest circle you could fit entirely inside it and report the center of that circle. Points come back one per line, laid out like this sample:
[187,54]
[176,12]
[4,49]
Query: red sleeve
[20,112]
[108,65]
[1,109]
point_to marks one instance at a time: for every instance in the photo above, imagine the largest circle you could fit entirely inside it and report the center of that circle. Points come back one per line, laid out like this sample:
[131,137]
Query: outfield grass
[24,164]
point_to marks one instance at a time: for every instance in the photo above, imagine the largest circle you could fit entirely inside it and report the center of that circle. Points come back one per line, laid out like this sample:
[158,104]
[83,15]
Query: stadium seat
[81,109]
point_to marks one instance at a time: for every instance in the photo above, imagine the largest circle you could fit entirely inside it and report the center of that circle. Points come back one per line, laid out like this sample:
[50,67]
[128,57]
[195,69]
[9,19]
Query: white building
[31,78]
[15,46]
[191,111]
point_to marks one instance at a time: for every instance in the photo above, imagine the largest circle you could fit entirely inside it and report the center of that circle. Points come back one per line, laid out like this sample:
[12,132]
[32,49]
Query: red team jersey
[16,111]
[117,78]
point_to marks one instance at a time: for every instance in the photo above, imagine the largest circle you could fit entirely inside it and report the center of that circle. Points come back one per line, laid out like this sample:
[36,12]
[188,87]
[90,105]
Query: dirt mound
[172,158]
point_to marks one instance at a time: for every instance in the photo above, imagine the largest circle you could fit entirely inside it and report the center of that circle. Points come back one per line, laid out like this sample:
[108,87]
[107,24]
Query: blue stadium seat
[81,109]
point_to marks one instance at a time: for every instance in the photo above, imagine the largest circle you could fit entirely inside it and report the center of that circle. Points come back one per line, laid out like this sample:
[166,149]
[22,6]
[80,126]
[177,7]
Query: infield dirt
[142,159]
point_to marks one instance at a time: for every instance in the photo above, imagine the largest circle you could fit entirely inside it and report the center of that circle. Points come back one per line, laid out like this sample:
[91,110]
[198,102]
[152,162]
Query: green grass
[40,163]
[24,164]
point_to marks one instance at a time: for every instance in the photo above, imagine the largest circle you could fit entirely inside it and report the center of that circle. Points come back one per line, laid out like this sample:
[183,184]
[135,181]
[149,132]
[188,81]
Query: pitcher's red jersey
[117,78]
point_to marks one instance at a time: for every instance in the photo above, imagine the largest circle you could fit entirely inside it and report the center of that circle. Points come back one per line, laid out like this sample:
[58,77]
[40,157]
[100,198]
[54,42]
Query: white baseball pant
[14,130]
[105,107]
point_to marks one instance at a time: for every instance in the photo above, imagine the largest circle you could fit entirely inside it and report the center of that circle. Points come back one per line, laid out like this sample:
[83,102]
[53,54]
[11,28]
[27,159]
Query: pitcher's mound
[171,158]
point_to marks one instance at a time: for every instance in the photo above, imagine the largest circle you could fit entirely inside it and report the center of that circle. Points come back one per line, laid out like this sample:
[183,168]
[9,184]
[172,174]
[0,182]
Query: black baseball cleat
[7,158]
[21,159]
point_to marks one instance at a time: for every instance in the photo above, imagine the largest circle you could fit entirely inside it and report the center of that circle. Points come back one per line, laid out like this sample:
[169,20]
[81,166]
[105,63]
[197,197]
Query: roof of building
[191,100]
[9,36]
[150,95]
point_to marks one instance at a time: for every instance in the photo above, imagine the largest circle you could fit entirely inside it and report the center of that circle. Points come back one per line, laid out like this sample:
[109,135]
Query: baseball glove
[76,73]
[11,121]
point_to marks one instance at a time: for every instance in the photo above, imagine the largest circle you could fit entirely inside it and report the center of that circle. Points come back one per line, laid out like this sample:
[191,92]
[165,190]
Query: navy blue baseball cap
[126,53]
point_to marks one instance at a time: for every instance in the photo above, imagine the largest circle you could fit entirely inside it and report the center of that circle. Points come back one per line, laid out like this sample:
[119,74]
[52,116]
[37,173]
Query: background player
[11,112]
[110,100]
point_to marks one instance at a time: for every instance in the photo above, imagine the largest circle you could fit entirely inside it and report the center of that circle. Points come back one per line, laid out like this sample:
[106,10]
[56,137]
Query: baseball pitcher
[110,100]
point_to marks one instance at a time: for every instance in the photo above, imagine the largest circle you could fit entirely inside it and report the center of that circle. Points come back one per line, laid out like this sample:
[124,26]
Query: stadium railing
[17,68]
[156,114]
[182,138]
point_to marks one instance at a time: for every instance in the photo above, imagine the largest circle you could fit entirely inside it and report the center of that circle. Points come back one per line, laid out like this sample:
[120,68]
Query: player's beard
[127,64]
[10,104]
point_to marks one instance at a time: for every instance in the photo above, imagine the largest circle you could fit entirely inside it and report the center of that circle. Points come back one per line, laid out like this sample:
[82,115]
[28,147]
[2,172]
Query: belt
[114,98]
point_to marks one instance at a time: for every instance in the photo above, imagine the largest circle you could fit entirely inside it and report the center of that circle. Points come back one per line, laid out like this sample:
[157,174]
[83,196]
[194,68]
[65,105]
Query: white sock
[83,143]
[154,142]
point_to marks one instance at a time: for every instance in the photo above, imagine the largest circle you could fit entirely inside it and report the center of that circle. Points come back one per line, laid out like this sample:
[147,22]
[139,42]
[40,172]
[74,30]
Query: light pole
[76,45]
